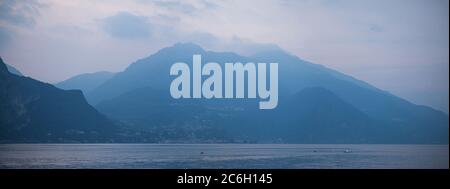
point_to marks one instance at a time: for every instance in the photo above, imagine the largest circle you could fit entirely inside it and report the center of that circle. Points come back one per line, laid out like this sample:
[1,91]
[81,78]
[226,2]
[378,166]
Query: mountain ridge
[85,82]
[316,105]
[295,75]
[13,70]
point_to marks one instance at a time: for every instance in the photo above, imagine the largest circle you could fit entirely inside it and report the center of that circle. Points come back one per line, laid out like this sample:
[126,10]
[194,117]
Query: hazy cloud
[21,13]
[179,6]
[5,37]
[376,28]
[127,26]
[193,7]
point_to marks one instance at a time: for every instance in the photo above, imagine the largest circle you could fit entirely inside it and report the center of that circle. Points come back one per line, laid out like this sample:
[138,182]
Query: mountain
[312,115]
[316,104]
[13,70]
[151,71]
[32,111]
[421,124]
[85,82]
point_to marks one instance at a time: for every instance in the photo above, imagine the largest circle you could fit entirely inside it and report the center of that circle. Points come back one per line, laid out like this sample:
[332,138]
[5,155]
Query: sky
[401,46]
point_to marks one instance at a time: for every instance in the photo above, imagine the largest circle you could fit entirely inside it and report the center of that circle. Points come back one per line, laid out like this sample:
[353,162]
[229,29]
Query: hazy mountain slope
[13,70]
[412,123]
[85,82]
[391,111]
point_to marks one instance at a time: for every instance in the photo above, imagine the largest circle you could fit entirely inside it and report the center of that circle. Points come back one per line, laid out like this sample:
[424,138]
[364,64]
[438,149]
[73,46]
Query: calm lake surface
[293,156]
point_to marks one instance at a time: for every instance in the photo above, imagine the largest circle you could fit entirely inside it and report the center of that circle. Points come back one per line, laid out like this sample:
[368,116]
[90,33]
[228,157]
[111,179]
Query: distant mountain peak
[187,45]
[184,47]
[190,48]
[85,82]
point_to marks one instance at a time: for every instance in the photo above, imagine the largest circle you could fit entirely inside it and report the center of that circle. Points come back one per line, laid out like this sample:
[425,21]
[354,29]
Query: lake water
[222,156]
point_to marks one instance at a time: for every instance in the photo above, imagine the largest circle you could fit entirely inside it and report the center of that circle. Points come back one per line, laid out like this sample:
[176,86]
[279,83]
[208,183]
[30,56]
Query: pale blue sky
[397,45]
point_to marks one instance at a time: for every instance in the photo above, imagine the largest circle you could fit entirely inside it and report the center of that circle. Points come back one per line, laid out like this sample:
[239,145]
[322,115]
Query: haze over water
[223,156]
